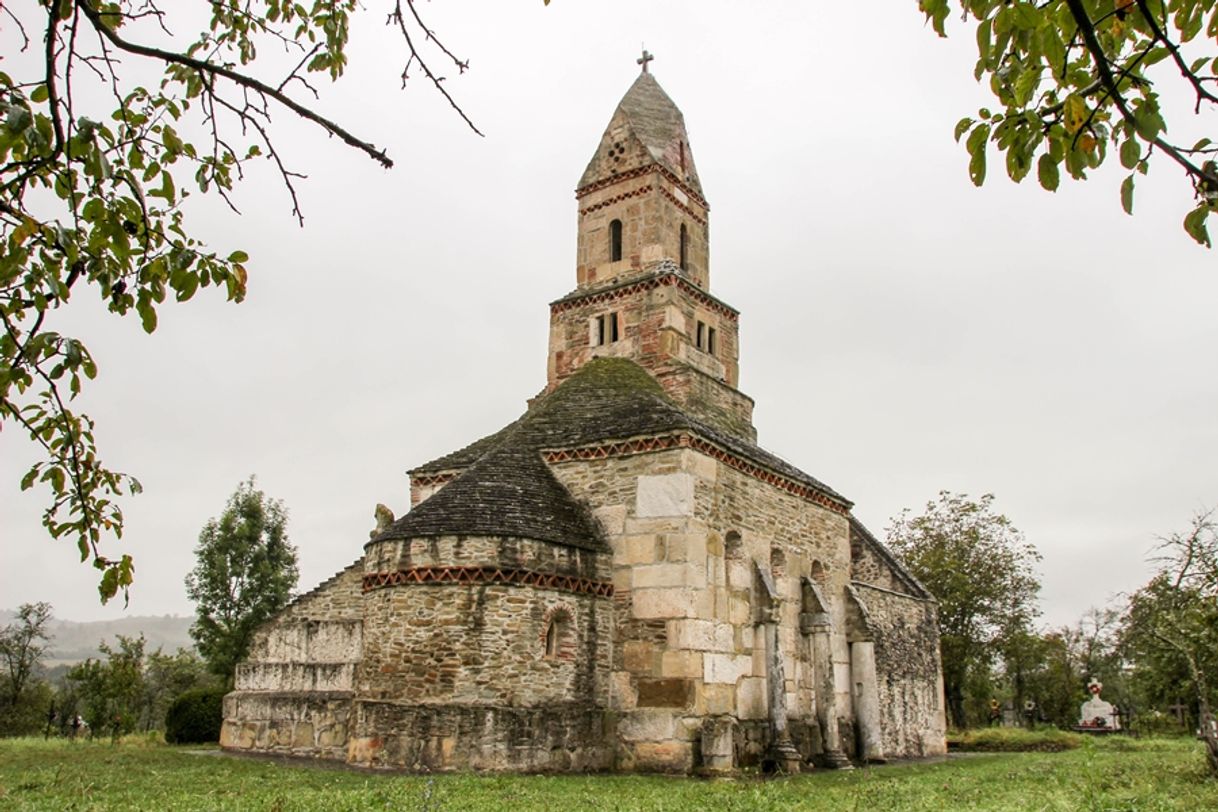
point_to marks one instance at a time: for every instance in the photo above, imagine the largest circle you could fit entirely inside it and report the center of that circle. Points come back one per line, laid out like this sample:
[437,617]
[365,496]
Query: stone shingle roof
[608,399]
[508,492]
[657,122]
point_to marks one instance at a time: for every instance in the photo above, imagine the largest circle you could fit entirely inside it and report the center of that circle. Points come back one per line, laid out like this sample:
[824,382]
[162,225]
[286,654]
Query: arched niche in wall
[558,638]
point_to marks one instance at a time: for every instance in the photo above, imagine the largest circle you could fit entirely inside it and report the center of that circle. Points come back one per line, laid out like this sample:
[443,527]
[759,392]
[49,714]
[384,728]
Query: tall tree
[1171,625]
[22,644]
[1076,79]
[95,161]
[980,569]
[246,572]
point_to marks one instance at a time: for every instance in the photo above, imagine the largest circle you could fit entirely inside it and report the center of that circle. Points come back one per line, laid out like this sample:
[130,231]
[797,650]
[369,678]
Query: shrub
[1014,740]
[195,717]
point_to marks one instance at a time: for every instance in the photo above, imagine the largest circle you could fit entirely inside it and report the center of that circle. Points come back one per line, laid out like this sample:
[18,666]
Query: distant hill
[72,642]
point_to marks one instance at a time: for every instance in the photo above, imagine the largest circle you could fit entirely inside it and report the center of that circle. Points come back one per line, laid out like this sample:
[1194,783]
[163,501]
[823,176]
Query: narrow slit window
[684,248]
[710,340]
[605,329]
[615,241]
[552,639]
[700,336]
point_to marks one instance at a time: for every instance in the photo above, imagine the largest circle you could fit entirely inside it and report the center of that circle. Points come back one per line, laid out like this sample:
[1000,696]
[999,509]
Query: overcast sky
[902,332]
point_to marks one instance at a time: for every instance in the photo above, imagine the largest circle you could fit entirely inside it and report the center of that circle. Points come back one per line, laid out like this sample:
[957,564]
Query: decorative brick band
[645,445]
[432,479]
[642,190]
[642,286]
[639,172]
[697,218]
[488,575]
[625,448]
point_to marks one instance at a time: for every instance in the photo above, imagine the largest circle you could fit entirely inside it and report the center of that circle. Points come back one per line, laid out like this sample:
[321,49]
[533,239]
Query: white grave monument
[1095,713]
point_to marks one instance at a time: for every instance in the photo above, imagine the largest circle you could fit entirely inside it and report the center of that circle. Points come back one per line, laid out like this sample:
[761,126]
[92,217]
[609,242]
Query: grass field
[1111,775]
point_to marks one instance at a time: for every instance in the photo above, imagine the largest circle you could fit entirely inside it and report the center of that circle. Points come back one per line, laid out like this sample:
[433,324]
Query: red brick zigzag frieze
[673,199]
[642,190]
[488,575]
[431,479]
[664,442]
[639,172]
[641,287]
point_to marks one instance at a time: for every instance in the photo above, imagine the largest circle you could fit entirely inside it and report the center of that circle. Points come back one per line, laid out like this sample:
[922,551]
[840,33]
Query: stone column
[866,700]
[782,751]
[826,693]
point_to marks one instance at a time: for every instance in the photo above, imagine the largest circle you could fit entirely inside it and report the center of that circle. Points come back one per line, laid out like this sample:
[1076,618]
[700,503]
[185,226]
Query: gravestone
[1095,713]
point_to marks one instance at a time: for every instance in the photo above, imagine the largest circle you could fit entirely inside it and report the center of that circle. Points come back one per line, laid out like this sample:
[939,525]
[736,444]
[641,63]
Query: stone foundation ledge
[560,737]
[309,724]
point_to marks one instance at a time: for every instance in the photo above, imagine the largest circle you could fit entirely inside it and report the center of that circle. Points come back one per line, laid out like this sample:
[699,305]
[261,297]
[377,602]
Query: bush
[1013,740]
[195,717]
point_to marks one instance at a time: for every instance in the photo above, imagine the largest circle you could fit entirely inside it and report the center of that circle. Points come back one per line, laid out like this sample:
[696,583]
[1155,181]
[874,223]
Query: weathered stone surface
[665,495]
[665,693]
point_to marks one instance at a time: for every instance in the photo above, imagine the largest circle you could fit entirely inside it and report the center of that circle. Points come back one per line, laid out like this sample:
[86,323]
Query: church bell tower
[643,266]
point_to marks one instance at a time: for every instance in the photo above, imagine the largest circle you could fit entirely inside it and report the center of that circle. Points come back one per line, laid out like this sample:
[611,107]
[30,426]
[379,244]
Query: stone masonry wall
[652,209]
[292,693]
[685,530]
[906,631]
[483,645]
[655,327]
[871,568]
[561,737]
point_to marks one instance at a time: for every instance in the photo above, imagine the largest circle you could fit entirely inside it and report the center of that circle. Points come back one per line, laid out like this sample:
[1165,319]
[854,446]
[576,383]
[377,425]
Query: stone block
[639,657]
[669,575]
[665,495]
[647,725]
[751,698]
[302,736]
[718,698]
[622,694]
[701,635]
[666,757]
[611,518]
[681,664]
[700,465]
[739,611]
[725,668]
[665,693]
[648,604]
[642,549]
[674,319]
[689,547]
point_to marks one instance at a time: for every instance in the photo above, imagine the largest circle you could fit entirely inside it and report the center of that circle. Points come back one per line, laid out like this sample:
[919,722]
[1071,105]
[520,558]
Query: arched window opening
[558,633]
[684,248]
[615,241]
[819,572]
[733,547]
[778,562]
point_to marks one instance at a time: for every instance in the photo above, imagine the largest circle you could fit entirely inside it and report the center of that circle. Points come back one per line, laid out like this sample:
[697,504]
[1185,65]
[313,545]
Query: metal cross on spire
[644,59]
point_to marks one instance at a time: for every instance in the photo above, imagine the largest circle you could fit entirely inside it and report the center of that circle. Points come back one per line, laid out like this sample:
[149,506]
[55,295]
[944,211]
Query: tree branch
[236,77]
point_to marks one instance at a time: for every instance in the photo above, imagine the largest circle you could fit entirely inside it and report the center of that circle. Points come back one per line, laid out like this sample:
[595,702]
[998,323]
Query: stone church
[621,578]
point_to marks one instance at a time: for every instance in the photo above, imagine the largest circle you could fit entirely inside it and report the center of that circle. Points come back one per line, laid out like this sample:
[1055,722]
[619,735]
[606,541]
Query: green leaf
[1047,172]
[40,94]
[962,127]
[1194,224]
[238,256]
[1127,195]
[147,311]
[1131,153]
